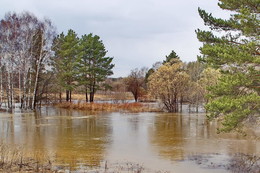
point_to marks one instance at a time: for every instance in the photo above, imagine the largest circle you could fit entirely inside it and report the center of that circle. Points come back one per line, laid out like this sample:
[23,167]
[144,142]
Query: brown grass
[109,107]
[100,96]
[16,160]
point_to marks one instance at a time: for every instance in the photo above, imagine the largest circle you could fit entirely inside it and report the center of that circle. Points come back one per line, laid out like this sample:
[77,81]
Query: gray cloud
[136,33]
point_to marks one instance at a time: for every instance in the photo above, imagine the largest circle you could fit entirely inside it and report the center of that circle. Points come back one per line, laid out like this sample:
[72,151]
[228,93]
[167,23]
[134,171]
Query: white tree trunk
[20,88]
[24,95]
[9,90]
[12,92]
[29,91]
[1,87]
[38,66]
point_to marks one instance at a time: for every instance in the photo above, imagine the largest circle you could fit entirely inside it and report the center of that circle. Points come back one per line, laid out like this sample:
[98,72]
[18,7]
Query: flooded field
[148,142]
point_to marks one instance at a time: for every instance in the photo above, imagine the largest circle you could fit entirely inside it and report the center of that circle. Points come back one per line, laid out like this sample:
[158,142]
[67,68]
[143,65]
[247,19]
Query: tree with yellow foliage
[168,84]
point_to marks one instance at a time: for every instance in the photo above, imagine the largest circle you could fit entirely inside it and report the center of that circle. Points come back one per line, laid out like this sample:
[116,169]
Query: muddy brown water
[181,142]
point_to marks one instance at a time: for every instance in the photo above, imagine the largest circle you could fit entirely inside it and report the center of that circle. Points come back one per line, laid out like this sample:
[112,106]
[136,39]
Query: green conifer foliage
[93,65]
[172,58]
[235,50]
[66,49]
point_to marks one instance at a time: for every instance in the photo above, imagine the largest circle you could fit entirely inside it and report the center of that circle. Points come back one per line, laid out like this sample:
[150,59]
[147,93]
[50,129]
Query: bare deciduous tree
[135,82]
[24,52]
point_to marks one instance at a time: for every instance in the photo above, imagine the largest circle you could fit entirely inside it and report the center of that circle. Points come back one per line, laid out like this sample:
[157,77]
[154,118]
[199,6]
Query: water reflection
[156,140]
[177,136]
[69,135]
[167,135]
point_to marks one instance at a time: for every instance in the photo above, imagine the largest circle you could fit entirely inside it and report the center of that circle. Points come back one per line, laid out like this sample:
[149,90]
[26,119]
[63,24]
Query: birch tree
[22,66]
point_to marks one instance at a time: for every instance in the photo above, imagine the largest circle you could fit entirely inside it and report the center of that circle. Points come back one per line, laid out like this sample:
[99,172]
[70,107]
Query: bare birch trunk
[20,89]
[38,66]
[1,88]
[12,92]
[9,90]
[35,87]
[24,98]
[70,96]
[29,91]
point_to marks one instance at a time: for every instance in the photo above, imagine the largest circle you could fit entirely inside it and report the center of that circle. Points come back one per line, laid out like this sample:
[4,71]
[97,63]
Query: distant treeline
[34,61]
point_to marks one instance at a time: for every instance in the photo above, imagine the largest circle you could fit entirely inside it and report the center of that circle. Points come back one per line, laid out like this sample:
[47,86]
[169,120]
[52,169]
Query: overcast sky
[136,33]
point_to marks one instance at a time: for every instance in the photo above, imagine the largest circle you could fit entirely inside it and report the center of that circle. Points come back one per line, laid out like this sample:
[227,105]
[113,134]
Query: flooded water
[157,141]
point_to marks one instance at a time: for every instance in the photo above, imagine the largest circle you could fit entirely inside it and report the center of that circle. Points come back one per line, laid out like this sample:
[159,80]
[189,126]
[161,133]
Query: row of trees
[36,63]
[226,77]
[81,62]
[230,80]
[172,82]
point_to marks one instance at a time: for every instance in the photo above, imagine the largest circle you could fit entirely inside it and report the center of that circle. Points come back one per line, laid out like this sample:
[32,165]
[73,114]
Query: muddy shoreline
[238,163]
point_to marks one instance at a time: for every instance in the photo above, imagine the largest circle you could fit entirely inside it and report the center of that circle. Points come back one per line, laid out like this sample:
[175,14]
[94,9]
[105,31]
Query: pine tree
[172,58]
[234,50]
[93,65]
[66,51]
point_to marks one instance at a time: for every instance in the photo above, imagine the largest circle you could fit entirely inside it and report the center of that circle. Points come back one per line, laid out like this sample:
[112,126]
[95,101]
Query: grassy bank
[16,160]
[102,96]
[109,107]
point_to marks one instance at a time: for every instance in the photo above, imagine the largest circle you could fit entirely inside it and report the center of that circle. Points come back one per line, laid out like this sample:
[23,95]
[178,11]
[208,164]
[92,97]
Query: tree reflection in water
[80,140]
[167,135]
[191,138]
[76,139]
[73,138]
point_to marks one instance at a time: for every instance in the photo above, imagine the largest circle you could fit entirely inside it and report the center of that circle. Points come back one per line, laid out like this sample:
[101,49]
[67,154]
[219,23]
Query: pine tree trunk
[70,95]
[92,93]
[67,95]
[91,97]
[60,95]
[86,95]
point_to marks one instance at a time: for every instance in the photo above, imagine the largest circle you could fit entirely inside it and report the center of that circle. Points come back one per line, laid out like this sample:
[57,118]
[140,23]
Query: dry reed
[109,107]
[15,160]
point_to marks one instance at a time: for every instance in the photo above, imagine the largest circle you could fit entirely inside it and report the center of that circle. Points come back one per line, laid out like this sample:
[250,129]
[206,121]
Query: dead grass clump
[15,160]
[109,107]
